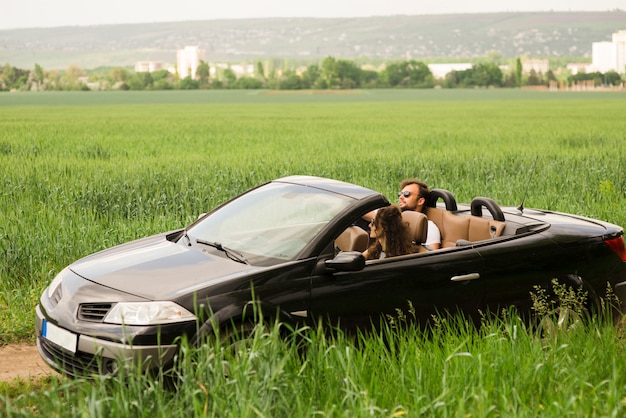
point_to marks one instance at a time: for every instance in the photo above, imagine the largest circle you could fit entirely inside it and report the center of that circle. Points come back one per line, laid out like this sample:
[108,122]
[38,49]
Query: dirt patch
[21,361]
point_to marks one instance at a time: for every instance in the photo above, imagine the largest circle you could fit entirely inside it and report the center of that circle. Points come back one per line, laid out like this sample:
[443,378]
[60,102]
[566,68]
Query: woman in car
[390,234]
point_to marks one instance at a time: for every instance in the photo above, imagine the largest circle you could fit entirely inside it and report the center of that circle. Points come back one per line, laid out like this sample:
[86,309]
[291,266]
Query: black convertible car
[293,246]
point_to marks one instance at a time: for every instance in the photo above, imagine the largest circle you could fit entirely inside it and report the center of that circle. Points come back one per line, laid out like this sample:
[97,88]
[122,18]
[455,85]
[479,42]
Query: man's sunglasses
[406,193]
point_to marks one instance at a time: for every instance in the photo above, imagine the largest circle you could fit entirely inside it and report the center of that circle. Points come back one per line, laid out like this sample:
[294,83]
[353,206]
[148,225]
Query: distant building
[619,39]
[610,56]
[187,61]
[539,66]
[148,66]
[579,67]
[243,69]
[441,70]
[603,56]
[239,69]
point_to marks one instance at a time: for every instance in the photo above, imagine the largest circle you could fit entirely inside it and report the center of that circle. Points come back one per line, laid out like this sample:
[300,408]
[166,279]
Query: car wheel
[242,344]
[239,338]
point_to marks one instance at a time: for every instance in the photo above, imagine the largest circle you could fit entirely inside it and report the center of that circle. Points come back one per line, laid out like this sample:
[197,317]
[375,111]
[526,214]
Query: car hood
[157,269]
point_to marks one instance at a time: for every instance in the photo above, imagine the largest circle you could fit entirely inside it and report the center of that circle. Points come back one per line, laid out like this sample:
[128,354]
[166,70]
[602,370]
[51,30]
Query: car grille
[79,364]
[94,312]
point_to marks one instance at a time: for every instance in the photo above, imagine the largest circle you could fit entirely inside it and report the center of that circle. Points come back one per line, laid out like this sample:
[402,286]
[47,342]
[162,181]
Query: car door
[513,268]
[433,282]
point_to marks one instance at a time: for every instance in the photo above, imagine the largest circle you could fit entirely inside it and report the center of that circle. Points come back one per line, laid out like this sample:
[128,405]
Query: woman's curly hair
[390,227]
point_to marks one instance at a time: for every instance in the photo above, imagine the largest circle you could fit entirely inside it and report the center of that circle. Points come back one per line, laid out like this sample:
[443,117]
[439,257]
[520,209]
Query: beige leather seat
[461,229]
[352,238]
[467,229]
[418,227]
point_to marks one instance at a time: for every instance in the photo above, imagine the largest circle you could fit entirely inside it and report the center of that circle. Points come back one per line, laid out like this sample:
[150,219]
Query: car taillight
[617,245]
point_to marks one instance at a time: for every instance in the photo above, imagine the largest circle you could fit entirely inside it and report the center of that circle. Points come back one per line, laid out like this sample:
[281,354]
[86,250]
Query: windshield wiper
[233,255]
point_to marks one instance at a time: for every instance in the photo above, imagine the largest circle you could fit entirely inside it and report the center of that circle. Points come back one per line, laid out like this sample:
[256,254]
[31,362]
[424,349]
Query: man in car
[413,195]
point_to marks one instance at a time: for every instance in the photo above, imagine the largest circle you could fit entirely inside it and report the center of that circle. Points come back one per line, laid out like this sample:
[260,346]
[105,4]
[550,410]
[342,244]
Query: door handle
[465,277]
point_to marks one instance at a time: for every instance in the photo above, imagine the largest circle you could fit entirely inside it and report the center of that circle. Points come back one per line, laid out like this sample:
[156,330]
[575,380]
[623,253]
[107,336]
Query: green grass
[82,177]
[503,369]
[82,172]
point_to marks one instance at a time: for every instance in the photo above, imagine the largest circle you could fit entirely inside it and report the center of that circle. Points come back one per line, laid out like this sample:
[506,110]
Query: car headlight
[54,285]
[147,313]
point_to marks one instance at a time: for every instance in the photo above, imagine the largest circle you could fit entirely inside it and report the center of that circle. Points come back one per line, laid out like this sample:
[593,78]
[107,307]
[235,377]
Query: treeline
[332,73]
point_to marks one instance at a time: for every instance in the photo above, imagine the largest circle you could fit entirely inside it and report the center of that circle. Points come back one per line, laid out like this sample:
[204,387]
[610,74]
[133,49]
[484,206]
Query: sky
[55,13]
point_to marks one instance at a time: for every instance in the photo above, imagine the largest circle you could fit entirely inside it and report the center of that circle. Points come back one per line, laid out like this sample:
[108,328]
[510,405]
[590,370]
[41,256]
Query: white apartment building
[441,70]
[538,65]
[603,56]
[579,67]
[148,66]
[238,69]
[610,56]
[619,39]
[187,61]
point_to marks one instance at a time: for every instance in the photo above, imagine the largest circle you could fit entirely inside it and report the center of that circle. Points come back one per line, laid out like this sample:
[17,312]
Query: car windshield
[272,223]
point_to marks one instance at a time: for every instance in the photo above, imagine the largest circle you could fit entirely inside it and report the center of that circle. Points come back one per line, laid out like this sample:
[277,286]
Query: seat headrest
[418,225]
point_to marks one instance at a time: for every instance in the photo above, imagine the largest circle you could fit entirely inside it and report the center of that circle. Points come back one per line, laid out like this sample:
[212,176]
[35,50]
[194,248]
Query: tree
[328,74]
[482,75]
[188,83]
[310,76]
[408,74]
[349,74]
[118,77]
[118,74]
[342,74]
[71,79]
[550,76]
[518,72]
[612,78]
[393,75]
[216,84]
[39,72]
[6,78]
[162,80]
[534,78]
[291,81]
[485,75]
[597,77]
[248,83]
[451,80]
[203,73]
[369,78]
[140,81]
[13,78]
[53,80]
[260,71]
[229,78]
[35,79]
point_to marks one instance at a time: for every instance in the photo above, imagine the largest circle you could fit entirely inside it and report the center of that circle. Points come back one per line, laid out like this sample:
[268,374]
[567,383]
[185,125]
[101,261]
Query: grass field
[84,171]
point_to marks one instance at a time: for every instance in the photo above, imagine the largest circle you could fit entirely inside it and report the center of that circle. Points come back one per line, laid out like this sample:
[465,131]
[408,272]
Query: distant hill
[452,37]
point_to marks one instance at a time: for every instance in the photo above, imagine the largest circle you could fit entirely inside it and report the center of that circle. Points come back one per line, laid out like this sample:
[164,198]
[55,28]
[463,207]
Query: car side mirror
[347,261]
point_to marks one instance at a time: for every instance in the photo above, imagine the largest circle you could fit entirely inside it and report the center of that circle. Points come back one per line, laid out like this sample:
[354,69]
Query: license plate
[59,336]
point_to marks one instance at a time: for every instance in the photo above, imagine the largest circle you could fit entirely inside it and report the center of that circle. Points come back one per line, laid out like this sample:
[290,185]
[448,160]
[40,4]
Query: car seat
[352,238]
[417,223]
